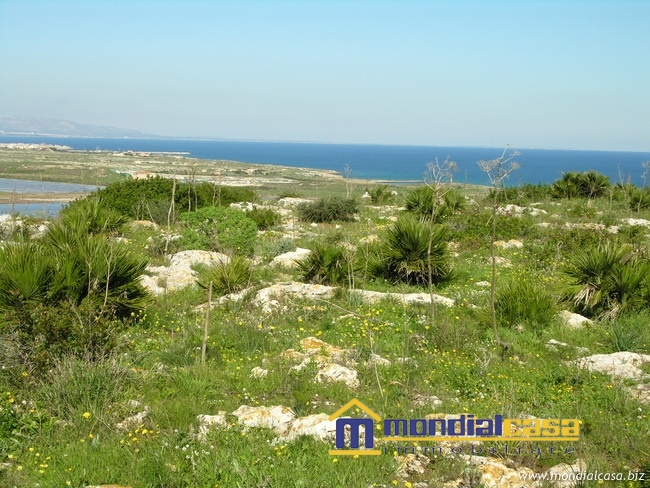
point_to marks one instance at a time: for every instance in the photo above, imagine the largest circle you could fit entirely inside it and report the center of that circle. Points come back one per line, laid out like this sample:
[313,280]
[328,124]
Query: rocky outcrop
[179,274]
[288,259]
[574,320]
[623,365]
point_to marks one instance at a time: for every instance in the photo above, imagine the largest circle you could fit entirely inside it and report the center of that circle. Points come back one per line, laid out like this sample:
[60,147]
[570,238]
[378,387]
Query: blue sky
[565,74]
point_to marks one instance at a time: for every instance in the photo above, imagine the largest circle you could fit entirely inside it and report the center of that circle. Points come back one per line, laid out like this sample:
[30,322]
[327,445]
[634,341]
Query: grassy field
[129,416]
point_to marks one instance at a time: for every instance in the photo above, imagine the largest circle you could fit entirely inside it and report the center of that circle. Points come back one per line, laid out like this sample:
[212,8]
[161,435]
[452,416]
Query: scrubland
[116,342]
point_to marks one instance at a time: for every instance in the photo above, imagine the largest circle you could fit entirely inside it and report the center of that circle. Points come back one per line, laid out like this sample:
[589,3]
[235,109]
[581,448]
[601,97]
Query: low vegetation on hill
[154,335]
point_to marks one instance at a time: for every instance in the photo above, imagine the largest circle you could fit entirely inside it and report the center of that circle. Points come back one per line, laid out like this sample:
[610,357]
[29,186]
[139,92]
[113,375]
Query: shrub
[264,217]
[629,333]
[232,276]
[521,194]
[67,292]
[640,199]
[607,279]
[327,264]
[524,302]
[89,216]
[280,247]
[403,255]
[151,198]
[422,201]
[289,194]
[76,386]
[218,229]
[380,195]
[328,210]
[589,184]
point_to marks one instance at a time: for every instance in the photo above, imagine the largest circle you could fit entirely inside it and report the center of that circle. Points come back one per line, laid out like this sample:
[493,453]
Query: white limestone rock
[277,418]
[623,365]
[288,259]
[574,320]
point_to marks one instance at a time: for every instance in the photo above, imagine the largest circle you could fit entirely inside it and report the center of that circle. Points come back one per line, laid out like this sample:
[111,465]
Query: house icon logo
[354,425]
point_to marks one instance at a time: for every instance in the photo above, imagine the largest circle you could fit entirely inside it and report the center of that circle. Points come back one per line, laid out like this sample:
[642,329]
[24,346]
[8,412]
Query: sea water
[383,162]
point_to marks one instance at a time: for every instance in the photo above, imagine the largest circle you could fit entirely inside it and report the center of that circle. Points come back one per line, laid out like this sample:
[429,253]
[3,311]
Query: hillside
[54,127]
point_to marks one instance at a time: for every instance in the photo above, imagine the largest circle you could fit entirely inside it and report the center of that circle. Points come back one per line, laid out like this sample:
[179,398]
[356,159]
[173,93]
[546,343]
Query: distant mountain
[53,127]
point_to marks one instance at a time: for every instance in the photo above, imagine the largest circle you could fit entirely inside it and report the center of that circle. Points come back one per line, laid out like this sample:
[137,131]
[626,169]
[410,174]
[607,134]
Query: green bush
[629,333]
[327,264]
[265,218]
[639,199]
[380,195]
[588,184]
[328,210]
[423,201]
[607,279]
[477,226]
[70,291]
[521,194]
[89,216]
[231,276]
[218,229]
[403,255]
[151,198]
[524,302]
[281,246]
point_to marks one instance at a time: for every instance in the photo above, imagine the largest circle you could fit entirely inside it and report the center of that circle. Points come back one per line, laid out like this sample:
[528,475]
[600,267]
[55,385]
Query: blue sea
[383,162]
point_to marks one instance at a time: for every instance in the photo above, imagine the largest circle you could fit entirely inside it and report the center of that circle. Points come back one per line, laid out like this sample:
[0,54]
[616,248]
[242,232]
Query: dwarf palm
[404,254]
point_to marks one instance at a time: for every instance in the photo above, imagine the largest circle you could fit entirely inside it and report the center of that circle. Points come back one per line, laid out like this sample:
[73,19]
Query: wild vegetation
[101,381]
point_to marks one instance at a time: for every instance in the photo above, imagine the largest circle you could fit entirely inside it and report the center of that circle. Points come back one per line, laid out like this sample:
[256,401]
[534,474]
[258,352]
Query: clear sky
[563,74]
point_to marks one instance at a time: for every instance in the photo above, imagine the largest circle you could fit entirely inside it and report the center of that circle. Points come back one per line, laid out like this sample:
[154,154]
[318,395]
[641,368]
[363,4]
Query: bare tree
[347,171]
[438,178]
[497,170]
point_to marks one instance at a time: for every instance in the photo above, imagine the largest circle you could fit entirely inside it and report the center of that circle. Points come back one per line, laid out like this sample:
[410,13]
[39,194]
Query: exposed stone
[369,239]
[512,243]
[288,259]
[258,372]
[641,392]
[179,273]
[556,345]
[483,284]
[377,360]
[562,473]
[574,320]
[639,222]
[206,422]
[318,426]
[265,297]
[134,420]
[517,211]
[144,223]
[410,361]
[376,296]
[411,464]
[332,373]
[313,345]
[427,401]
[499,261]
[292,202]
[497,475]
[623,365]
[612,229]
[276,418]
